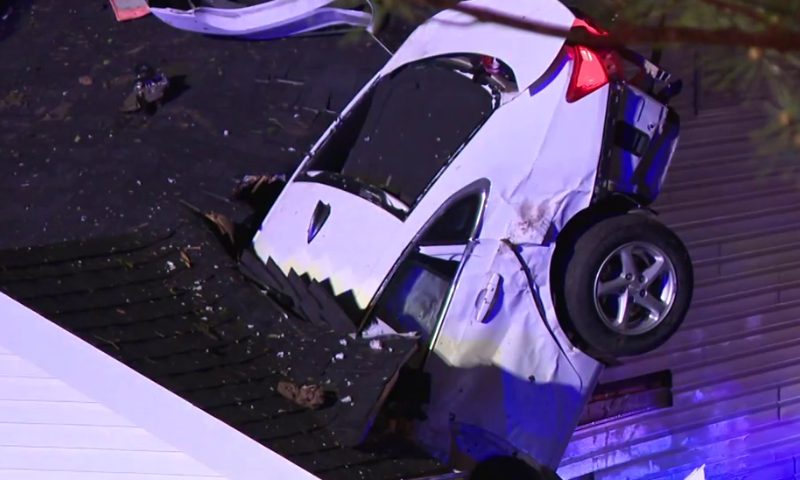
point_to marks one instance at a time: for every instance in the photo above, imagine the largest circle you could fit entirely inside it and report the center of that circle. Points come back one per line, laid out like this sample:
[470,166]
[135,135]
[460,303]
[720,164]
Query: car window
[404,132]
[417,291]
[414,297]
[456,226]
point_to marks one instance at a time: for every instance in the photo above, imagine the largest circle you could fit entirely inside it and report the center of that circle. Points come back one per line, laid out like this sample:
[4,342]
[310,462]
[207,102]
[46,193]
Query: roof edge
[140,400]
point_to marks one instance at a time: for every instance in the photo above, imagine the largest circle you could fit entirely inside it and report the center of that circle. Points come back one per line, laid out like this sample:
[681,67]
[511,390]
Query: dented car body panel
[268,20]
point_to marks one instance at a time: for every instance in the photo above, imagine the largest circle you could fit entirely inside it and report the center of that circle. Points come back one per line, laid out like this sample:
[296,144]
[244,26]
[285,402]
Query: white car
[489,190]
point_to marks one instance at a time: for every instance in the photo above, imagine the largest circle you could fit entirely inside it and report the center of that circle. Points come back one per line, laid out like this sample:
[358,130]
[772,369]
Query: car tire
[605,275]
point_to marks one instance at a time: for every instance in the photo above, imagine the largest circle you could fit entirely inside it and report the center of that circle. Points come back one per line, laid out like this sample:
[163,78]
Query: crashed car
[259,19]
[488,190]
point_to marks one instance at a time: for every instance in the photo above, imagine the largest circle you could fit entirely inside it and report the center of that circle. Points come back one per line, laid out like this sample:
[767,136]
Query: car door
[418,289]
[501,383]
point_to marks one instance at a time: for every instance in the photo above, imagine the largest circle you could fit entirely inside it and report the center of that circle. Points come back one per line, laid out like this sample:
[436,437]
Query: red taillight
[592,69]
[588,74]
[491,65]
[592,29]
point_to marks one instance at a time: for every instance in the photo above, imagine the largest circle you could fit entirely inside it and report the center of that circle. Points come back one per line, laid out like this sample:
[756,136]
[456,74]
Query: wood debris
[251,183]
[225,225]
[307,396]
[186,260]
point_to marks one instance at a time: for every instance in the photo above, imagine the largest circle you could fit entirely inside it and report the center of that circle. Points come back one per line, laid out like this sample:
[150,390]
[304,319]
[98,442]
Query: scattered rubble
[307,396]
[250,184]
[148,90]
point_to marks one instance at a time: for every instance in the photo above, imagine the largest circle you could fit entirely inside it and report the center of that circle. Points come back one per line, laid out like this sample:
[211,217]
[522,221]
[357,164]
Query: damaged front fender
[262,21]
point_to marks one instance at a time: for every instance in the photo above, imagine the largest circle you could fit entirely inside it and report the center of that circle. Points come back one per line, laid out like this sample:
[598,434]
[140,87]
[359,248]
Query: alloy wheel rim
[634,289]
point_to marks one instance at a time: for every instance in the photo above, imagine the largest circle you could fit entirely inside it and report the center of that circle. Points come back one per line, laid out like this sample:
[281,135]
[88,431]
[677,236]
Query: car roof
[450,32]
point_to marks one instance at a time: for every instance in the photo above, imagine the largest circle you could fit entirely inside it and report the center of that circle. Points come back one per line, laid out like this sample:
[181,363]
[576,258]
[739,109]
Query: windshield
[404,131]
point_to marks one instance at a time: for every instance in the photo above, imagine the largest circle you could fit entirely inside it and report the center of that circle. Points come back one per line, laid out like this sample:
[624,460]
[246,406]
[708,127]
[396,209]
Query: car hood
[528,54]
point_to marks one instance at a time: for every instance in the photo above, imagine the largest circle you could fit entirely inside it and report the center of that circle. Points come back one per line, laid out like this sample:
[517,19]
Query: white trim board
[138,399]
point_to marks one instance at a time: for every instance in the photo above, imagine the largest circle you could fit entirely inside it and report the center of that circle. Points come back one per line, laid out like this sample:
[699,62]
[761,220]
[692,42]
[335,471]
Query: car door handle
[487,300]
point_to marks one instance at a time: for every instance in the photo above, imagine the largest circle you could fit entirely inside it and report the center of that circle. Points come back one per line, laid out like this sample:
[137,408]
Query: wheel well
[612,206]
[585,219]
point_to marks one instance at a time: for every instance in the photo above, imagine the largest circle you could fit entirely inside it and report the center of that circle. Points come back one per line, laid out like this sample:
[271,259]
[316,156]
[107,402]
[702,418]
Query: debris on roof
[212,337]
[129,9]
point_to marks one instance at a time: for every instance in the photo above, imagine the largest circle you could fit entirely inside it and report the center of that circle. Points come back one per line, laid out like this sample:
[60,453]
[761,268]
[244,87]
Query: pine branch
[625,33]
[742,10]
